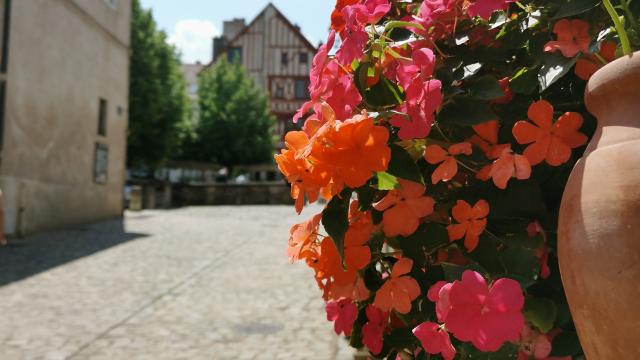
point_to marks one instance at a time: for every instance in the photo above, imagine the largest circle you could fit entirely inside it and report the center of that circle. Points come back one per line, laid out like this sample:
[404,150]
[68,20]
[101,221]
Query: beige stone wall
[64,56]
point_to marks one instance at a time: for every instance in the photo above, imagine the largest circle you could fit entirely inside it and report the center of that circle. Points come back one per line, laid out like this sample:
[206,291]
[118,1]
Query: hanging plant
[441,134]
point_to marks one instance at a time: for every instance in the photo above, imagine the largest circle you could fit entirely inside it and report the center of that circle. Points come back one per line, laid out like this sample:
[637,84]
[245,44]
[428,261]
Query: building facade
[276,54]
[63,119]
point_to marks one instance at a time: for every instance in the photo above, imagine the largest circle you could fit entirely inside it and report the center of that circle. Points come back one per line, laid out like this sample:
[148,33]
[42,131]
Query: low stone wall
[232,194]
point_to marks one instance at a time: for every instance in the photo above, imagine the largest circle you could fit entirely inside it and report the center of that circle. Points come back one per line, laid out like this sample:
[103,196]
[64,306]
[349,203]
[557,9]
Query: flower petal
[525,132]
[541,113]
[401,267]
[435,154]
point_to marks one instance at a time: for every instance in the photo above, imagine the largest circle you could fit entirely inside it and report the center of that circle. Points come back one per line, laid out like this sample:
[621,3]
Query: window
[304,58]
[112,3]
[279,92]
[101,163]
[193,89]
[284,59]
[302,89]
[234,54]
[102,118]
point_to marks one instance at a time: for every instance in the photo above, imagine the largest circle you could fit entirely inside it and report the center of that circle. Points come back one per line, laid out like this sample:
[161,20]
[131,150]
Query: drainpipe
[4,65]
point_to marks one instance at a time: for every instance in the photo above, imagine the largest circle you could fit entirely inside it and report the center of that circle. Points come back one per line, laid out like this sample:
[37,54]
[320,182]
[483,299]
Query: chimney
[219,44]
[232,28]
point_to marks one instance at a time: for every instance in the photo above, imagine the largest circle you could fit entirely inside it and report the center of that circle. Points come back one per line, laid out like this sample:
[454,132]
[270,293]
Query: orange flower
[302,236]
[506,164]
[356,253]
[403,208]
[486,139]
[336,154]
[573,37]
[505,167]
[305,177]
[356,148]
[588,65]
[549,141]
[398,291]
[434,154]
[471,222]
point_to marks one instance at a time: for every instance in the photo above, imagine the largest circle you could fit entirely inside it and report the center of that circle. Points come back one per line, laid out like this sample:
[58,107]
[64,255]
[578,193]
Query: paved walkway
[193,283]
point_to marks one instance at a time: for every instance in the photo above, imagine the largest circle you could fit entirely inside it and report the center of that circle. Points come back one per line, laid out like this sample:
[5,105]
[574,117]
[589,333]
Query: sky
[191,24]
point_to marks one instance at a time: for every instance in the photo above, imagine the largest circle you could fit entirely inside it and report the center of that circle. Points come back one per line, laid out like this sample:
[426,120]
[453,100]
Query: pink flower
[438,17]
[330,83]
[372,11]
[343,312]
[422,65]
[373,330]
[573,37]
[484,8]
[355,38]
[542,253]
[435,340]
[423,99]
[439,294]
[352,46]
[318,65]
[487,317]
[533,343]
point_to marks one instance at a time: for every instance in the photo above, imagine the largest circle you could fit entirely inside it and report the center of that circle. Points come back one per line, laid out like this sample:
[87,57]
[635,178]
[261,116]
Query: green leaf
[453,272]
[400,338]
[575,7]
[386,181]
[566,344]
[465,110]
[366,194]
[525,81]
[335,219]
[520,262]
[523,240]
[467,71]
[435,237]
[403,166]
[486,254]
[507,351]
[384,94]
[555,66]
[486,88]
[541,313]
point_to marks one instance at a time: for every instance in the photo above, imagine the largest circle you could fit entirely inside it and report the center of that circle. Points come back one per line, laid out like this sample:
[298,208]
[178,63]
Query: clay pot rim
[607,79]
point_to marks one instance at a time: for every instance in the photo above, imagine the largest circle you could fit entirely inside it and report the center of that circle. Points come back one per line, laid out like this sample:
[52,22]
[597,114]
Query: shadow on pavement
[37,253]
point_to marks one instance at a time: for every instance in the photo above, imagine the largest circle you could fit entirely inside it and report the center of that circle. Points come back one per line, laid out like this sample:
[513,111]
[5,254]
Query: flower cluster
[441,133]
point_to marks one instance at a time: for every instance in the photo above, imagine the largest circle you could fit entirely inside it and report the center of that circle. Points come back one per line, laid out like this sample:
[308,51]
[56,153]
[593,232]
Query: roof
[295,29]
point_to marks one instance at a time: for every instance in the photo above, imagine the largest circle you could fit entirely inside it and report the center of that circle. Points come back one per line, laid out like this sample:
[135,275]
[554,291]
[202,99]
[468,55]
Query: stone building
[63,114]
[276,54]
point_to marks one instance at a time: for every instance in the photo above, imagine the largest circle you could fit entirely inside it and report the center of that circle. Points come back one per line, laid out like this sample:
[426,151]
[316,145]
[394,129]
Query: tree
[235,125]
[159,108]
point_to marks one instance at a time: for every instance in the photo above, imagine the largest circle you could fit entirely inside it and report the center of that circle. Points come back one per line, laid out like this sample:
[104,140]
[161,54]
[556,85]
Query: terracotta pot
[599,226]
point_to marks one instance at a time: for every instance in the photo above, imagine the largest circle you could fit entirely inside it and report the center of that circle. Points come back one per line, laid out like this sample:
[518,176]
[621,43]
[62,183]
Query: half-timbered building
[276,54]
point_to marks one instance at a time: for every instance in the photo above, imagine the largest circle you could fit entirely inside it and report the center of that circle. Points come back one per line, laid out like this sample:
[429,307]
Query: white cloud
[194,39]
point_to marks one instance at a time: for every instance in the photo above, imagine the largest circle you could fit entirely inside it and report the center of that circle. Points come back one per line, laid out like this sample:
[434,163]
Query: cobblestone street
[192,283]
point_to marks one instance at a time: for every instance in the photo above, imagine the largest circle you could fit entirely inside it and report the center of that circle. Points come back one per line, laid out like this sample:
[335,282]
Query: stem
[466,166]
[628,14]
[441,133]
[396,24]
[622,33]
[600,58]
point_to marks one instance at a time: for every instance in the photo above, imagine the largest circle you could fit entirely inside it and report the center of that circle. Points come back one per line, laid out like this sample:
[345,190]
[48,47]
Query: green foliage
[235,125]
[335,219]
[541,313]
[159,109]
